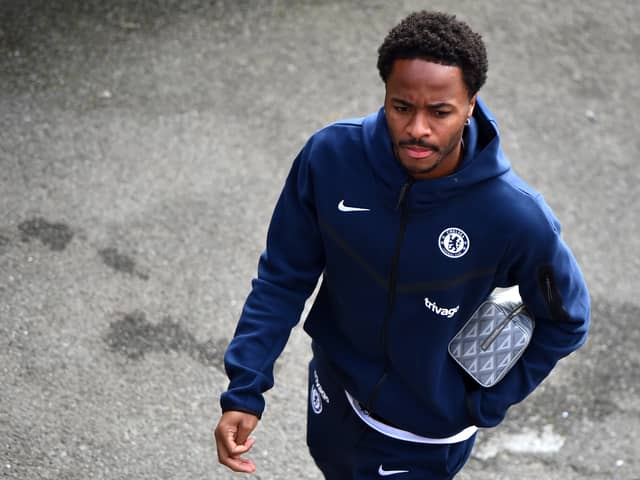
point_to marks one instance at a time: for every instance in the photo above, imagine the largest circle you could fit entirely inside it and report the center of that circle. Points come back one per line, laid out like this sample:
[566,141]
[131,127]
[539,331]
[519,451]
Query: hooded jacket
[404,264]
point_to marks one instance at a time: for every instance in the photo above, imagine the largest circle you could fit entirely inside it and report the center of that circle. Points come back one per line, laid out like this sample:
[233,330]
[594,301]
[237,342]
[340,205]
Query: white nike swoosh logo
[385,473]
[344,208]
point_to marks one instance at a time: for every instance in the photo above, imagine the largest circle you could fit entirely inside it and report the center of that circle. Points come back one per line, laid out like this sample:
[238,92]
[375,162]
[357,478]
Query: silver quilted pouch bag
[494,338]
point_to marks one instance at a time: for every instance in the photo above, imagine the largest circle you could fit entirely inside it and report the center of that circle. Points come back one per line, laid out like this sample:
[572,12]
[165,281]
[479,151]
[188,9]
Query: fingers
[230,453]
[235,447]
[232,440]
[238,464]
[235,461]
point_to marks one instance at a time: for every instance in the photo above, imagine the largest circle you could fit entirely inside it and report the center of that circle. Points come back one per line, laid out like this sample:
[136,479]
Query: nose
[418,126]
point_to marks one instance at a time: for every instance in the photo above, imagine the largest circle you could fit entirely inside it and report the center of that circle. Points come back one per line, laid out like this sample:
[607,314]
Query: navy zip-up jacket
[404,264]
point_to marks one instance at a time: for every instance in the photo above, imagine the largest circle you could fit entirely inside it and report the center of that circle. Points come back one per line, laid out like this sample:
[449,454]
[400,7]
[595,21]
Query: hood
[483,159]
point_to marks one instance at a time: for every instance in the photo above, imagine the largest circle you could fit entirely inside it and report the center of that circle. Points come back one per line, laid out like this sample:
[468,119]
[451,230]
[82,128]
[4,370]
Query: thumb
[245,427]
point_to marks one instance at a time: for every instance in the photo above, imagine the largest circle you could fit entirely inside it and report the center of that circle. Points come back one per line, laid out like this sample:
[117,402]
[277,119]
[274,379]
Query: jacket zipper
[391,294]
[551,295]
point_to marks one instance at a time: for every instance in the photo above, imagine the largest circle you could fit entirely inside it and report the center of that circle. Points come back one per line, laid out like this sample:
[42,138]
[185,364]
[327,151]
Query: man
[412,216]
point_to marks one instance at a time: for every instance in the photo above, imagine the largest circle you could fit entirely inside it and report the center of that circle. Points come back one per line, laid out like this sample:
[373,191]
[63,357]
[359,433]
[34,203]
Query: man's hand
[232,440]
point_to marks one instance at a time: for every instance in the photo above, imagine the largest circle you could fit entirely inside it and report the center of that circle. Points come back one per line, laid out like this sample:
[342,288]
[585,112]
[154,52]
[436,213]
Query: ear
[472,105]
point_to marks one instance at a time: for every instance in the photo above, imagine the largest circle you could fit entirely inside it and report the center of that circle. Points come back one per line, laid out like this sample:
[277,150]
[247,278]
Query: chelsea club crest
[453,242]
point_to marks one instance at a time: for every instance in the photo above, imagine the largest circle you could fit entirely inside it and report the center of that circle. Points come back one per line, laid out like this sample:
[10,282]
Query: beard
[442,153]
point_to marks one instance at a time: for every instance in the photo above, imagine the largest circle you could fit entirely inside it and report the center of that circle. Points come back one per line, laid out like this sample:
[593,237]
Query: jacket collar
[483,159]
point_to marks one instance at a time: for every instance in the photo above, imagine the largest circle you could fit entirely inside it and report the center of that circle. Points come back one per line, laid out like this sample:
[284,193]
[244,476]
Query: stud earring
[467,122]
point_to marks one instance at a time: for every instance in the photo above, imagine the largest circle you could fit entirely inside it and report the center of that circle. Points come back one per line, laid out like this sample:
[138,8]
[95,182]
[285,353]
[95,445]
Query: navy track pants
[345,448]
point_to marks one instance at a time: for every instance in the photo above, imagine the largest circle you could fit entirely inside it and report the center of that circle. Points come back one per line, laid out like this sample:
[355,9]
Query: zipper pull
[547,282]
[403,192]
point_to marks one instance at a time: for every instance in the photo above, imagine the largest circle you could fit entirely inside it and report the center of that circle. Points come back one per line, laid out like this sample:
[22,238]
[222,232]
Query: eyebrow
[440,105]
[432,106]
[401,101]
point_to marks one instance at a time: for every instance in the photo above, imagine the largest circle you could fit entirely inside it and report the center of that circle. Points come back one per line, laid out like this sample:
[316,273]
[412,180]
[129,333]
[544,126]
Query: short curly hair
[440,38]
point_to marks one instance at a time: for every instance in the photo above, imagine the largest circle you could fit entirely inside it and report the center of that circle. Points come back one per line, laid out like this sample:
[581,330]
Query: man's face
[426,105]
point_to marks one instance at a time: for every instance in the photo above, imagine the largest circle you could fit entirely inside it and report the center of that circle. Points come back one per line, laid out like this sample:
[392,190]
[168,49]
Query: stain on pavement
[133,336]
[121,262]
[56,236]
[4,241]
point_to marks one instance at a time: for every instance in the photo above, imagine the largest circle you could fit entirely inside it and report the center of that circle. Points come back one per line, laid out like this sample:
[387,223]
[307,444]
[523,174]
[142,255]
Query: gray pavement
[142,147]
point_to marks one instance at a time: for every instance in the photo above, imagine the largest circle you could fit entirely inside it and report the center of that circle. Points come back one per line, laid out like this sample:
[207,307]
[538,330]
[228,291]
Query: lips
[418,152]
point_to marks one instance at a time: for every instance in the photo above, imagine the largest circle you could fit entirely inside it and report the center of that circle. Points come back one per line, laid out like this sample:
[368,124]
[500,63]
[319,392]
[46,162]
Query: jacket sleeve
[288,270]
[553,290]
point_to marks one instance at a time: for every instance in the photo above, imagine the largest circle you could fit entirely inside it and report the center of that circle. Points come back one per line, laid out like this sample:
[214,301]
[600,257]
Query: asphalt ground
[142,147]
